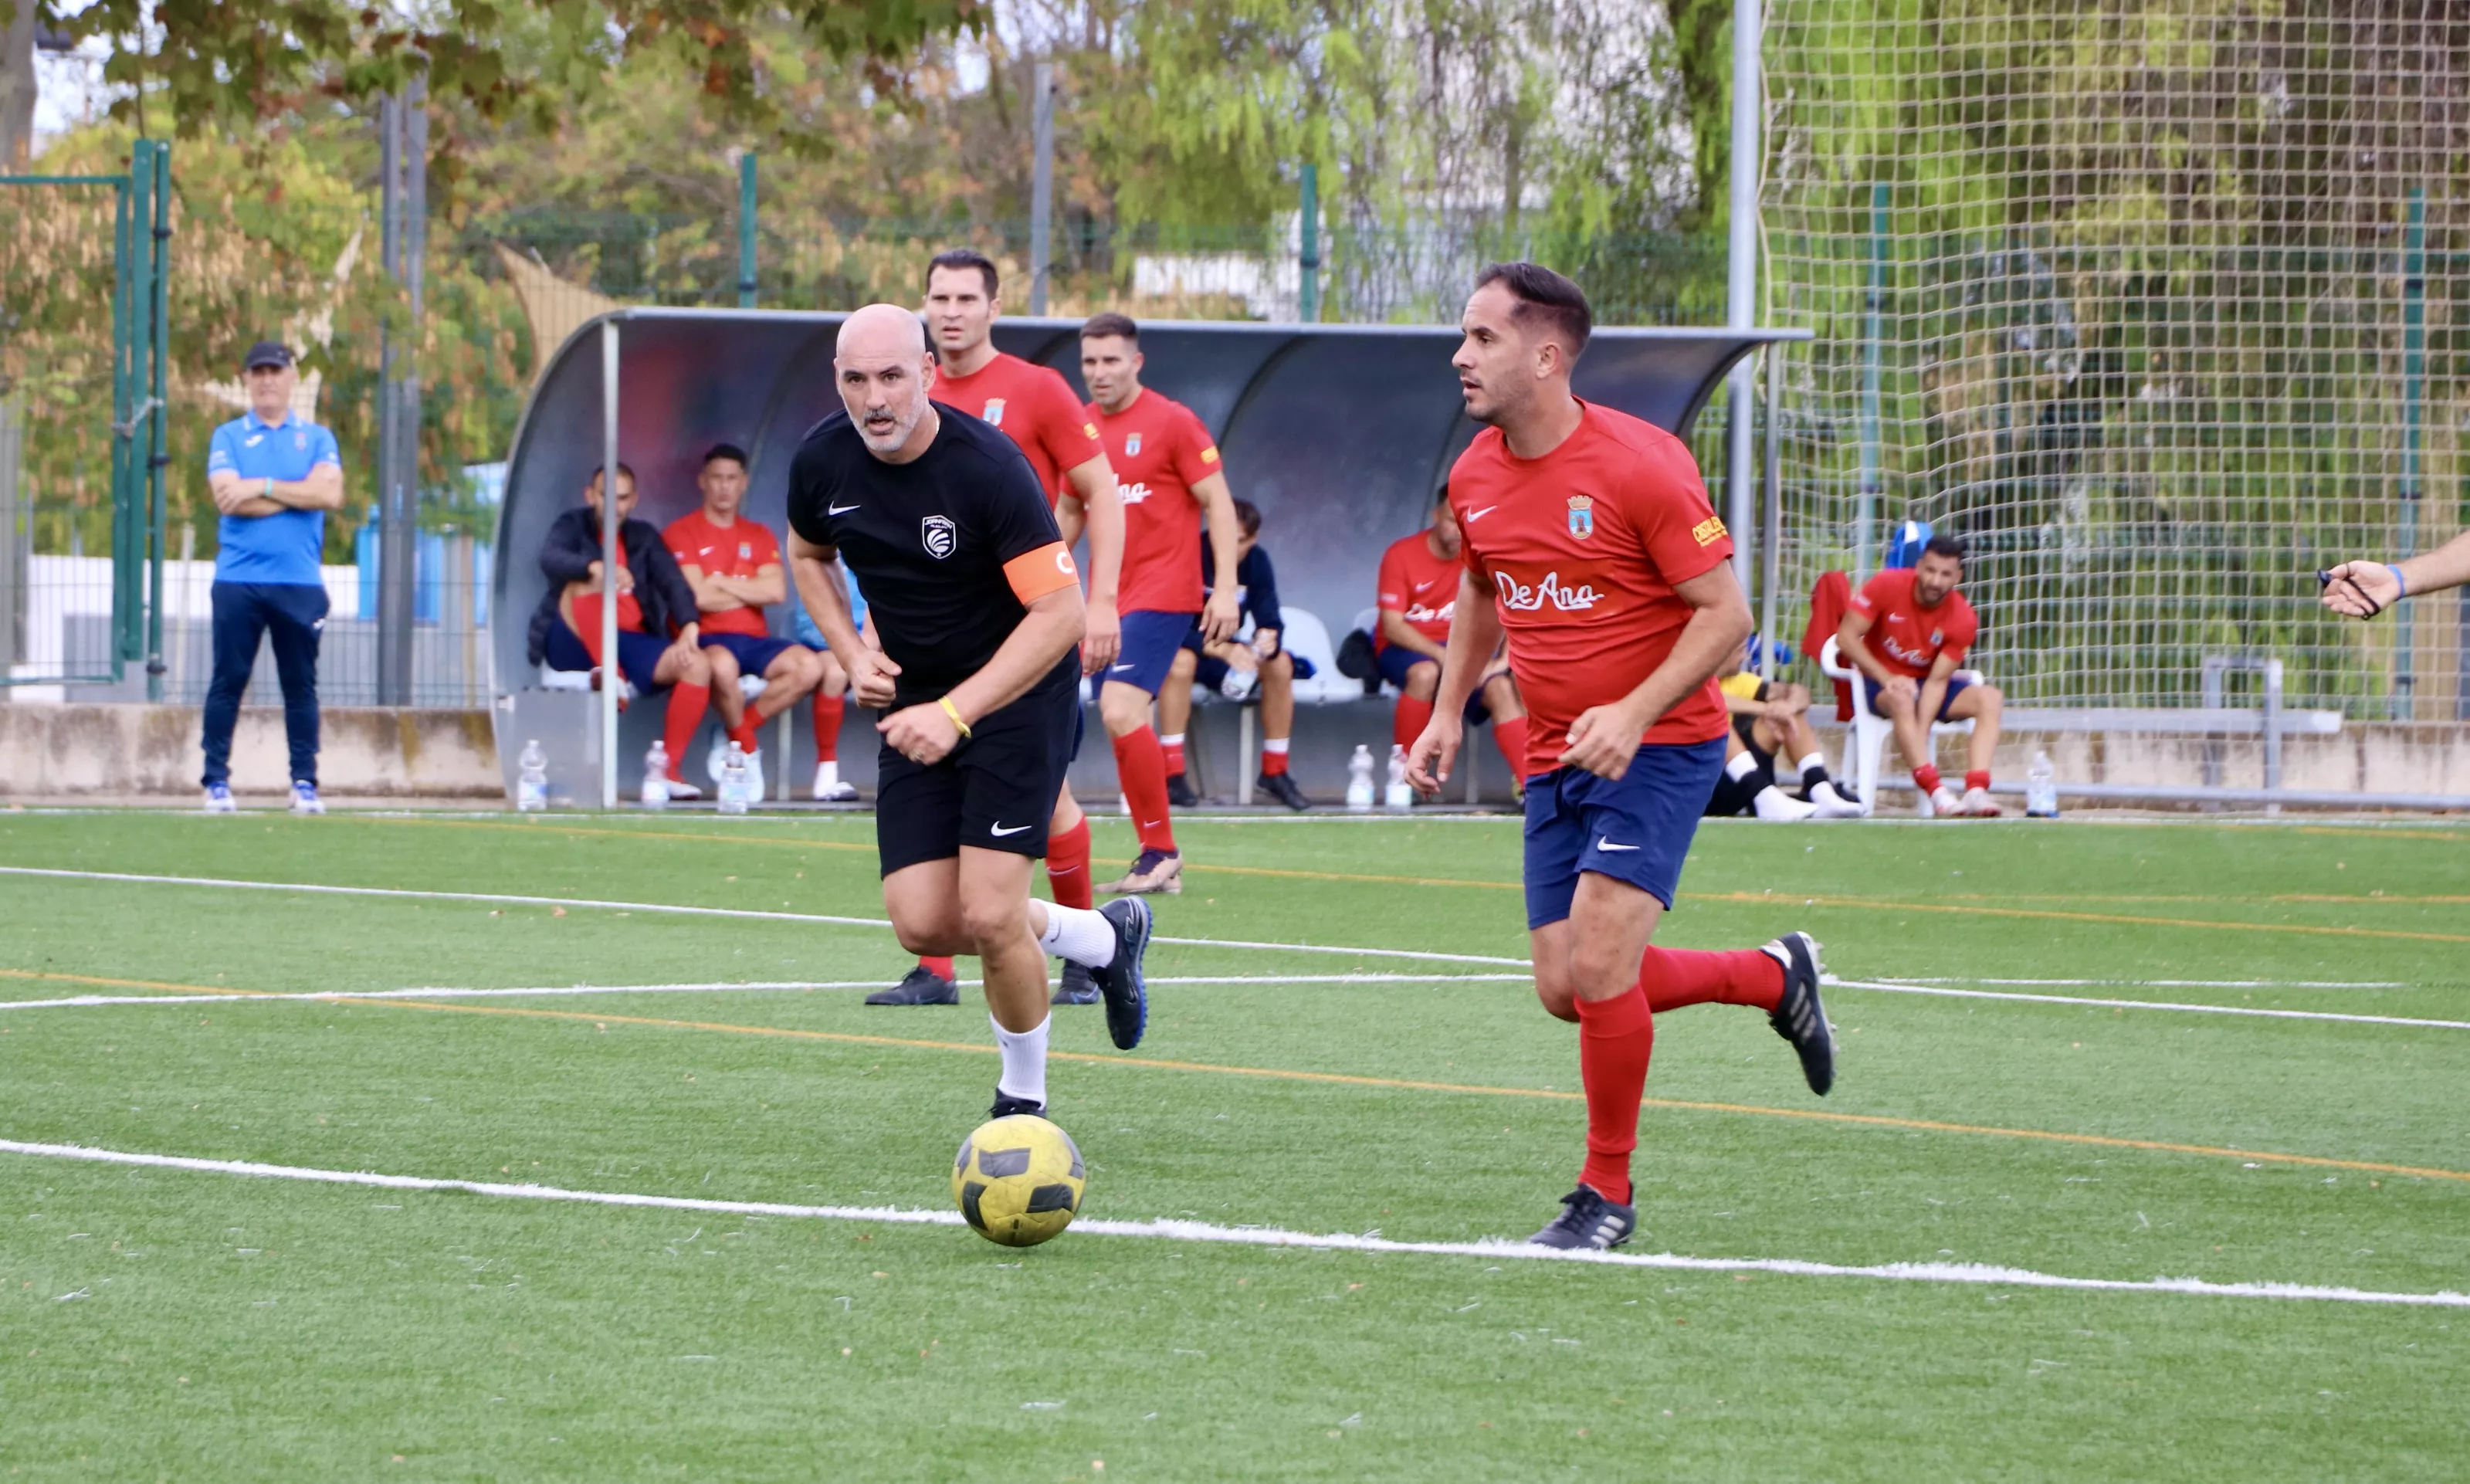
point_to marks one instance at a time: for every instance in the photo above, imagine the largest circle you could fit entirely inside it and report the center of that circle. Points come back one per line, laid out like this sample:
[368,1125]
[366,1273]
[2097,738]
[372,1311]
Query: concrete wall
[2375,757]
[66,752]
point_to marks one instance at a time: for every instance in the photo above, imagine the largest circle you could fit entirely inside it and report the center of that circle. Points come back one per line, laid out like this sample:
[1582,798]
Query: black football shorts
[995,791]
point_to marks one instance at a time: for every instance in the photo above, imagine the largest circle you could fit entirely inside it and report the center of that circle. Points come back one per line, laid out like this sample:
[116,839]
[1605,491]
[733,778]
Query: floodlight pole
[1741,288]
[2413,382]
[746,230]
[1041,184]
[403,207]
[612,676]
[1771,539]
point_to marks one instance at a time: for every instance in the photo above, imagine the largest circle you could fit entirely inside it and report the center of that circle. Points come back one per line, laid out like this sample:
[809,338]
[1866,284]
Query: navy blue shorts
[1956,685]
[1635,830]
[1150,640]
[1397,658]
[638,655]
[754,652]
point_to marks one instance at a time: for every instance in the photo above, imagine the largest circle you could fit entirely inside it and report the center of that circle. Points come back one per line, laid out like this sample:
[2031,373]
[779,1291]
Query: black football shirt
[930,542]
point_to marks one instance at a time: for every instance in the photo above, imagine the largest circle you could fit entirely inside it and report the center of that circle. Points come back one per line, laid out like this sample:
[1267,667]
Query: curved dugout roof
[1339,432]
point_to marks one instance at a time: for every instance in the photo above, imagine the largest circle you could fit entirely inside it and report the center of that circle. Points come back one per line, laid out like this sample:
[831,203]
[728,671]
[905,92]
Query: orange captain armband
[1034,575]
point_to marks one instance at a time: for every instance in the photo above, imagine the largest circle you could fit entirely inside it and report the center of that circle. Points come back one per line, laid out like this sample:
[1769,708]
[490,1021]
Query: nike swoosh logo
[839,509]
[1602,844]
[1120,667]
[1001,830]
[1473,515]
[1152,823]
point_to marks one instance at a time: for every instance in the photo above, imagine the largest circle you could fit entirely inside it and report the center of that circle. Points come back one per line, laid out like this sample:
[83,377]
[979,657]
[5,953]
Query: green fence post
[158,456]
[124,403]
[746,230]
[1308,299]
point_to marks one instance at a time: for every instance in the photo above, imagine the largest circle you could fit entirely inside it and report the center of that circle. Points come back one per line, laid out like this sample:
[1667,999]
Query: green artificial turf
[190,1324]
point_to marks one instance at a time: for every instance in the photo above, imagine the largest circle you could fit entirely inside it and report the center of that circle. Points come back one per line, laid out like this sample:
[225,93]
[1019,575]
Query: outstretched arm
[2363,590]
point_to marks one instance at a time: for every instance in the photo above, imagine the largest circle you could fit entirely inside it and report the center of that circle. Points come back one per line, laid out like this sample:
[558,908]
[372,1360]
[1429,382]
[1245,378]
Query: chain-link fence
[2153,301]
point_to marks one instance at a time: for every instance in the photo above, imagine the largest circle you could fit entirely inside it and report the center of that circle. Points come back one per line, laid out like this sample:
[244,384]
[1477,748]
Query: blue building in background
[430,559]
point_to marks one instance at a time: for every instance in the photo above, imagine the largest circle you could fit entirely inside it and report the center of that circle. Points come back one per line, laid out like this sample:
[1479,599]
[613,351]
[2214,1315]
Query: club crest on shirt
[746,552]
[1131,445]
[995,410]
[300,441]
[1582,515]
[940,536]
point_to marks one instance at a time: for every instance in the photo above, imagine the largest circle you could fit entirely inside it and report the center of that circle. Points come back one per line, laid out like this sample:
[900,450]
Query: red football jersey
[741,548]
[1159,451]
[1418,587]
[1583,549]
[1035,407]
[1907,638]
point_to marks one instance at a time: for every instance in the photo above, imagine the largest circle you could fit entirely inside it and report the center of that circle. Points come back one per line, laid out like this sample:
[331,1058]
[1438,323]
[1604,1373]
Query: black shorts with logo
[995,791]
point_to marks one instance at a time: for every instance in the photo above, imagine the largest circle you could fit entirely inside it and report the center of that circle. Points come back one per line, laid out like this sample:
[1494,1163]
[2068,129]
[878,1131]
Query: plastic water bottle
[733,780]
[1359,779]
[656,777]
[2041,788]
[1398,796]
[532,778]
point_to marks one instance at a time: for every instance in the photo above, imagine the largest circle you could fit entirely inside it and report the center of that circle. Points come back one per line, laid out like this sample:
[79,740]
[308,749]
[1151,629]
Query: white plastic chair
[1867,738]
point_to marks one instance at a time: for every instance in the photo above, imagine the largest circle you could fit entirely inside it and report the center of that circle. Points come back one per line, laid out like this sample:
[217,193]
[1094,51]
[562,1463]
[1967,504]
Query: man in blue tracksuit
[274,475]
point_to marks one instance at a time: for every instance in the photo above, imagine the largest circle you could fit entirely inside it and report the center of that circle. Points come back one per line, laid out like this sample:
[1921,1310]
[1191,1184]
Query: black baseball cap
[268,353]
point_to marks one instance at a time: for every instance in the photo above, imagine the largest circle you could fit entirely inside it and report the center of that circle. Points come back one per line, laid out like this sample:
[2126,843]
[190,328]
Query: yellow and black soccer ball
[1018,1180]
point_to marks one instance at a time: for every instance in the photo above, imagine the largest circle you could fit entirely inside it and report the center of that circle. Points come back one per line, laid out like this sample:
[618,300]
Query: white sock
[1024,1062]
[1275,744]
[1741,766]
[827,773]
[1079,934]
[1815,760]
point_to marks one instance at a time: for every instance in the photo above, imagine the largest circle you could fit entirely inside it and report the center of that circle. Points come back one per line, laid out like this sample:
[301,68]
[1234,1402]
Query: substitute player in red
[1419,597]
[1906,631]
[1589,540]
[1168,474]
[1036,408]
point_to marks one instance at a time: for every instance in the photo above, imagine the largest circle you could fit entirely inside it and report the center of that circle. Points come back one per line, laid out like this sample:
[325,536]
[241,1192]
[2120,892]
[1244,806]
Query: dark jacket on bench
[567,555]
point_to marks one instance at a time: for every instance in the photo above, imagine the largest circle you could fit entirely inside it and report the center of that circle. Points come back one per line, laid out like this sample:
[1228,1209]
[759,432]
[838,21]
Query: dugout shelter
[1341,433]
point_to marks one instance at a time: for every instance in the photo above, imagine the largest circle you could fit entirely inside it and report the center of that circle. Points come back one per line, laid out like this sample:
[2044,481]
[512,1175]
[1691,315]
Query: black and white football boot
[1588,1223]
[1800,1018]
[1014,1107]
[1127,993]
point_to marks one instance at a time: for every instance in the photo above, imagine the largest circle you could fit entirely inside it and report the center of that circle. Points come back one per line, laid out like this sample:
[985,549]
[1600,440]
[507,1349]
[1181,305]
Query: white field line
[2166,983]
[1495,1250]
[669,909]
[715,986]
[1947,993]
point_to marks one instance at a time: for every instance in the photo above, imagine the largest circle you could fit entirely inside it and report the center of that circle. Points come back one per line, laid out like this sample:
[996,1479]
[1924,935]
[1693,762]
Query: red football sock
[1675,977]
[1926,776]
[1616,1037]
[1978,778]
[1407,723]
[1140,766]
[943,966]
[827,728]
[1274,757]
[1067,866]
[745,734]
[1172,749]
[687,705]
[1510,736]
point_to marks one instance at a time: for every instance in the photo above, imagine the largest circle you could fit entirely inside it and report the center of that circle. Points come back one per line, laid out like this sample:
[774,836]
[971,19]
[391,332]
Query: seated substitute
[658,642]
[1768,717]
[1235,668]
[1906,631]
[1420,589]
[733,564]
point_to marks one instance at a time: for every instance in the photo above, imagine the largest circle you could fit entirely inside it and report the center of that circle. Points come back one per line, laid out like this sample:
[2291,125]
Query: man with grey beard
[977,603]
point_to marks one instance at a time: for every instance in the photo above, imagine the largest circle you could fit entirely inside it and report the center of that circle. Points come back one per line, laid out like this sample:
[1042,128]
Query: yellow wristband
[954,713]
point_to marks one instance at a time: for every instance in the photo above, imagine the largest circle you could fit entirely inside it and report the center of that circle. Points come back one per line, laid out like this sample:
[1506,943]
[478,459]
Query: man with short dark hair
[273,476]
[733,564]
[1237,668]
[1168,475]
[977,603]
[1419,589]
[659,641]
[1590,543]
[1907,631]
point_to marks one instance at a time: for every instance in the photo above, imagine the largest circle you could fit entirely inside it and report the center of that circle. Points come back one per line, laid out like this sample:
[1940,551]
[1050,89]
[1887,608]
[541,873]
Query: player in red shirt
[734,566]
[1034,407]
[1906,631]
[1419,597]
[1590,542]
[1168,474]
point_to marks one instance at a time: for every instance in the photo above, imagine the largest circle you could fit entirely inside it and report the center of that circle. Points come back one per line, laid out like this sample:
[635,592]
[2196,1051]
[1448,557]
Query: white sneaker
[1774,803]
[1831,805]
[304,797]
[1979,805]
[1944,804]
[828,787]
[218,800]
